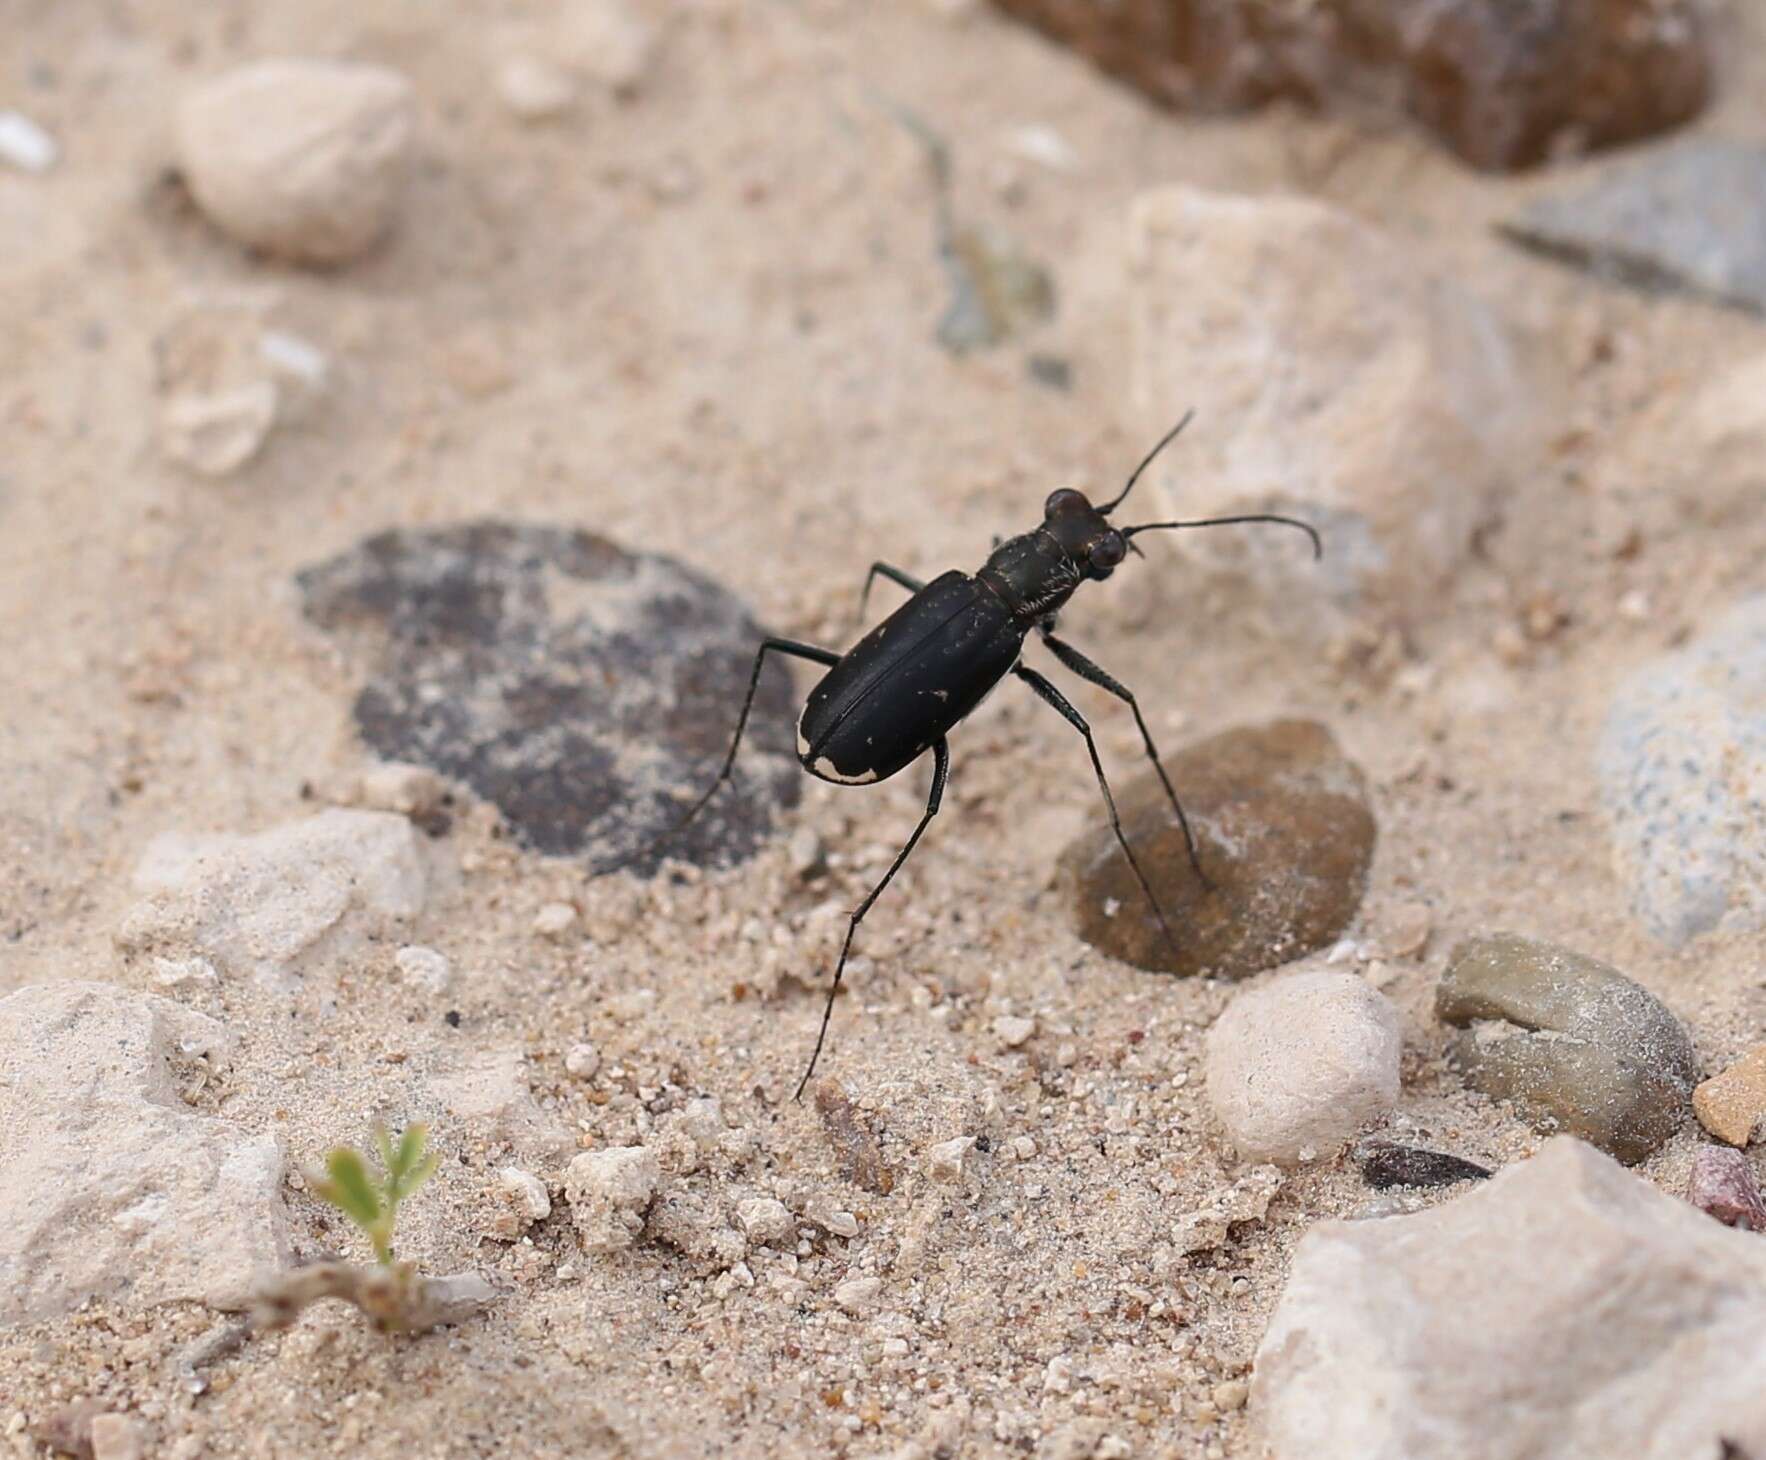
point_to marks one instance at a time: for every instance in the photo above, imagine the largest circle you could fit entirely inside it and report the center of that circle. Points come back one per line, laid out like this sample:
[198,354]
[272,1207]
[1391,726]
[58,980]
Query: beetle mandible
[905,685]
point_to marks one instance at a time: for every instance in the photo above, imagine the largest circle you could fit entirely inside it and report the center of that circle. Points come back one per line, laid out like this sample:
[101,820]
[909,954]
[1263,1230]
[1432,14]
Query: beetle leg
[940,773]
[1058,701]
[1104,680]
[894,575]
[777,646]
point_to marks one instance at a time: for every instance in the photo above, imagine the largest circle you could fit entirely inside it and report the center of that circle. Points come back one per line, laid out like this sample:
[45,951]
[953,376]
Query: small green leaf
[349,1188]
[408,1156]
[383,1144]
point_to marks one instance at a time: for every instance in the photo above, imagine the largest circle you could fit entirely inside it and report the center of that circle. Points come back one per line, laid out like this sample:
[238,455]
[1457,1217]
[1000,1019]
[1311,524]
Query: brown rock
[1503,86]
[1284,833]
[1732,1105]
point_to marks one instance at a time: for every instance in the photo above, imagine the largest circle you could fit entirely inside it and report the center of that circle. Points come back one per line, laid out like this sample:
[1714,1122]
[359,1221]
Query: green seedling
[373,1205]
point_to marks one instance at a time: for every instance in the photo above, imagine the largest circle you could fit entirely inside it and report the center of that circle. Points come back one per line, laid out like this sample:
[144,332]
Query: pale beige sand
[714,309]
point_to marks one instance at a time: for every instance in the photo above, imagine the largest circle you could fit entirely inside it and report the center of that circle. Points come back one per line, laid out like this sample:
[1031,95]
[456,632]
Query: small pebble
[609,1193]
[1722,1183]
[1230,1395]
[302,159]
[25,145]
[532,1200]
[582,1061]
[216,434]
[115,1437]
[1385,1164]
[554,920]
[611,41]
[1301,1064]
[1023,1147]
[406,790]
[1012,1031]
[948,1160]
[534,89]
[1404,931]
[858,1293]
[766,1219]
[424,968]
[1732,1105]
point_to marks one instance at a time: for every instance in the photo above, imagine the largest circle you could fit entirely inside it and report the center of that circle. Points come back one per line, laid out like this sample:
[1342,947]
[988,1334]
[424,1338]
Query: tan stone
[1732,1105]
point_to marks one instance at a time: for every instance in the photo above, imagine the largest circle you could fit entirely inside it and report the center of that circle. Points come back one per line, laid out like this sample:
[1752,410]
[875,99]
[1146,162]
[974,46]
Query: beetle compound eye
[1065,500]
[1108,551]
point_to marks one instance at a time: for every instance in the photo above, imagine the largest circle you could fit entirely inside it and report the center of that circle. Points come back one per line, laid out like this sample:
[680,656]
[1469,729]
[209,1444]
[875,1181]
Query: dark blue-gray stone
[590,693]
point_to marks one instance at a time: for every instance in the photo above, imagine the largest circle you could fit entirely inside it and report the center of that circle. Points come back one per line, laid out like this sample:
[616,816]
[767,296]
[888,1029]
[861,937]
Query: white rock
[299,158]
[218,433]
[533,88]
[1565,1308]
[486,1090]
[582,1060]
[268,905]
[609,1192]
[407,790]
[948,1160]
[1297,1067]
[424,968]
[554,920]
[857,1293]
[25,145]
[765,1219]
[114,1187]
[613,42]
[1012,1031]
[1332,378]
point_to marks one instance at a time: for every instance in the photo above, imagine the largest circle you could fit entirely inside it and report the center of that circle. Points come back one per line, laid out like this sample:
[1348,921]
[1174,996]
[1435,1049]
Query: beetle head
[1083,533]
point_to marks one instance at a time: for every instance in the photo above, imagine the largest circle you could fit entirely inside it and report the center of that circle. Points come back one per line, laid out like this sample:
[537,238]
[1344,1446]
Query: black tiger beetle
[905,685]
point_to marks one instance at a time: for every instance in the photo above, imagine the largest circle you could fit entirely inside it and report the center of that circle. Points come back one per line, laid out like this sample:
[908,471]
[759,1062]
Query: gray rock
[1689,215]
[588,692]
[1297,1067]
[1580,1044]
[1682,764]
[114,1188]
[1563,1308]
[1284,833]
[271,905]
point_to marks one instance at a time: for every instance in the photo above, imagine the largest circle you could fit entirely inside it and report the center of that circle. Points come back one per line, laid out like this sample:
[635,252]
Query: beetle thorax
[1033,573]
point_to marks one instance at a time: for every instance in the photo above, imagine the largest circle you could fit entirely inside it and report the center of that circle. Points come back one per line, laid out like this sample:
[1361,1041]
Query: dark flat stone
[588,692]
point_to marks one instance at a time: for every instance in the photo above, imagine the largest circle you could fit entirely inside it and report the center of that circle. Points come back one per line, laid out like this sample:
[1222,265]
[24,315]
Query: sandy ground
[703,323]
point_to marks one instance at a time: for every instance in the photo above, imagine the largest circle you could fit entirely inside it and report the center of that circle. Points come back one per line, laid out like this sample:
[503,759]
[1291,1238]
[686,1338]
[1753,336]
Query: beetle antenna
[1164,441]
[1306,527]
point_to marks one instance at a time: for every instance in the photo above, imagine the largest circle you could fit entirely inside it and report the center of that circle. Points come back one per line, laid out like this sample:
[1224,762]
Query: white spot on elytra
[825,769]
